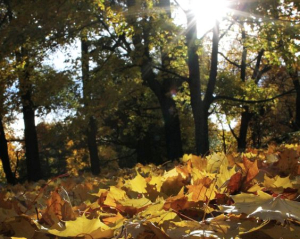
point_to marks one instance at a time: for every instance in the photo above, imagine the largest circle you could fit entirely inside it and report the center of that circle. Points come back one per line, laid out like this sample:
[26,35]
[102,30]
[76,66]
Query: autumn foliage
[255,194]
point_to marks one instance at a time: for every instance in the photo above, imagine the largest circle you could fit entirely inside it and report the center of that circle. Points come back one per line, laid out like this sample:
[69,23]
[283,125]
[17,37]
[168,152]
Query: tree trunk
[10,178]
[246,116]
[195,86]
[92,145]
[172,128]
[144,150]
[242,139]
[169,112]
[34,172]
[92,124]
[201,107]
[204,134]
[167,104]
[31,142]
[297,87]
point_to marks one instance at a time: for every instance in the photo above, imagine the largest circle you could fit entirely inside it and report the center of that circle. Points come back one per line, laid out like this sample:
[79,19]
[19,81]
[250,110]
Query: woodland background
[144,89]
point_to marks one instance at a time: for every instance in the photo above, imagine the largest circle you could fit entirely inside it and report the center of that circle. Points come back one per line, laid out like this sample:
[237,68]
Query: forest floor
[251,195]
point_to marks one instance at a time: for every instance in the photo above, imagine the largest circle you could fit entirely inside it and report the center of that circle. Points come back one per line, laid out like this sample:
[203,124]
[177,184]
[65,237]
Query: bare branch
[227,59]
[224,97]
[226,31]
[170,72]
[180,6]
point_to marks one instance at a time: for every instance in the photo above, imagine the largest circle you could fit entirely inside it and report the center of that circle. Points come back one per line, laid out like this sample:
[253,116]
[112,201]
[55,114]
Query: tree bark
[92,145]
[169,111]
[246,115]
[172,128]
[34,171]
[167,104]
[245,119]
[200,108]
[10,178]
[144,150]
[91,128]
[201,139]
[297,87]
[31,143]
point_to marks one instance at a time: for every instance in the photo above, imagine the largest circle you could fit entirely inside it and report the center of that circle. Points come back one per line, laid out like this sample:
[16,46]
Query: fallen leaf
[264,206]
[235,183]
[138,184]
[277,182]
[252,169]
[83,226]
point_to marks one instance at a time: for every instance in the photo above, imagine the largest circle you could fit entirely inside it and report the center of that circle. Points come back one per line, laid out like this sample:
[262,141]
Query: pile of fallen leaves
[251,195]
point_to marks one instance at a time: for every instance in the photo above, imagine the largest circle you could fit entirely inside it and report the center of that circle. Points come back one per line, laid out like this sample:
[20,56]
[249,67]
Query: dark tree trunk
[242,139]
[93,147]
[172,128]
[34,172]
[297,87]
[256,75]
[210,86]
[202,144]
[31,143]
[167,104]
[203,147]
[10,178]
[244,57]
[144,150]
[92,124]
[200,108]
[169,112]
[246,115]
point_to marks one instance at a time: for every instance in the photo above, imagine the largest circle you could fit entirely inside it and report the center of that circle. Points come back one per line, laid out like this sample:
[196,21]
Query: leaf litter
[249,195]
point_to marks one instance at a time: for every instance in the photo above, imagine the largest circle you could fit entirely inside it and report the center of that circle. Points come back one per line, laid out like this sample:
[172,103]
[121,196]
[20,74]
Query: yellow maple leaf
[277,182]
[199,163]
[153,209]
[157,181]
[133,206]
[186,158]
[201,193]
[170,174]
[214,162]
[161,216]
[83,226]
[117,193]
[138,184]
[224,176]
[137,203]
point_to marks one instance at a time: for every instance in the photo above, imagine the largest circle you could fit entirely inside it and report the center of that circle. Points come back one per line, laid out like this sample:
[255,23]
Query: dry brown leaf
[251,169]
[235,183]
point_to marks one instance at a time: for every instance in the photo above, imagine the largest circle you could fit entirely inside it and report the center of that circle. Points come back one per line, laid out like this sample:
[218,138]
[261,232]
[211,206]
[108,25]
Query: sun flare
[206,12]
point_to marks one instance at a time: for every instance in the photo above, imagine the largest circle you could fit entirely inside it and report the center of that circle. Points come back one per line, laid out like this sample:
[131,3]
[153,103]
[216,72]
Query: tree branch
[185,11]
[224,97]
[261,72]
[170,72]
[231,62]
[231,130]
[226,31]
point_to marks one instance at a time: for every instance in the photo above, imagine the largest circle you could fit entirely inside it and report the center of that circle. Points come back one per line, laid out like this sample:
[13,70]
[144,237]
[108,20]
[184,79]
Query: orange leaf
[201,193]
[252,169]
[234,182]
[55,204]
[178,202]
[113,219]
